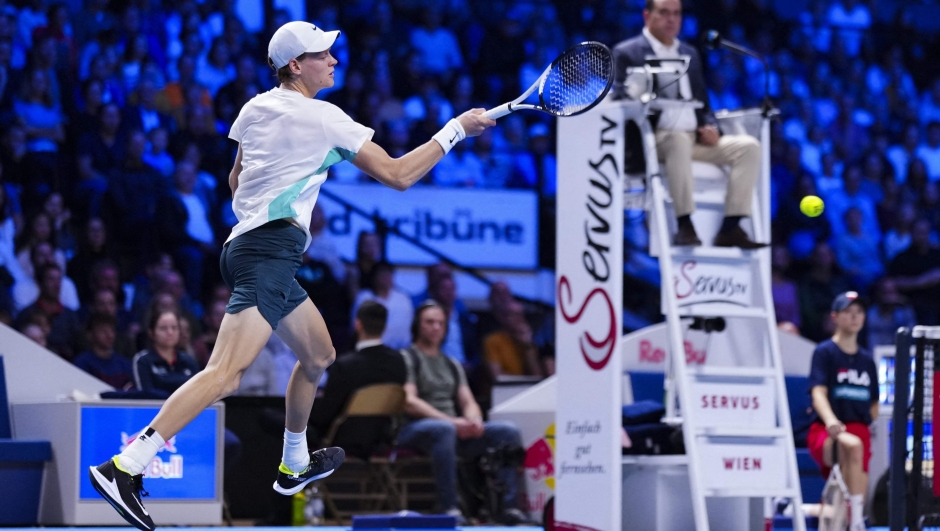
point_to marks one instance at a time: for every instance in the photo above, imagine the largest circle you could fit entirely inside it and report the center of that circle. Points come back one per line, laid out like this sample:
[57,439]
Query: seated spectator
[43,119]
[10,269]
[929,110]
[916,272]
[105,302]
[785,291]
[900,155]
[322,246]
[60,216]
[34,332]
[929,152]
[216,69]
[27,289]
[817,288]
[65,335]
[497,165]
[829,177]
[234,95]
[437,47]
[444,418]
[889,312]
[461,342]
[162,368]
[39,230]
[372,362]
[99,154]
[101,361]
[368,253]
[536,167]
[195,243]
[397,330]
[463,169]
[157,155]
[134,191]
[145,116]
[851,195]
[510,349]
[857,252]
[94,247]
[499,298]
[899,237]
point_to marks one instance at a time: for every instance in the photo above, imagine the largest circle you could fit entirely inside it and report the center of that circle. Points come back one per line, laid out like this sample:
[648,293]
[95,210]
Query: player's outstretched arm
[406,170]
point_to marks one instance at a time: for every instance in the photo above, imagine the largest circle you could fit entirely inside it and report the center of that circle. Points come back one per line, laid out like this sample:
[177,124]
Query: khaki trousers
[677,150]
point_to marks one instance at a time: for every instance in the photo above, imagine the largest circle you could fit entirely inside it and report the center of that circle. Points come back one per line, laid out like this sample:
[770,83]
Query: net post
[902,375]
[918,421]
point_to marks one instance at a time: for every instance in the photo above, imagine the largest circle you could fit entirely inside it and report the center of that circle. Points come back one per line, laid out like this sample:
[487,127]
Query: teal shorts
[259,268]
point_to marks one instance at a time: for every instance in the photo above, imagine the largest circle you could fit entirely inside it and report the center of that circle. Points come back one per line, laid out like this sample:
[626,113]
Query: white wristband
[451,134]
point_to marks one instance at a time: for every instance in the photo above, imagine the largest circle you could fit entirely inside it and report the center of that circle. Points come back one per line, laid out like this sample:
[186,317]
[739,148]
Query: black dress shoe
[686,237]
[736,237]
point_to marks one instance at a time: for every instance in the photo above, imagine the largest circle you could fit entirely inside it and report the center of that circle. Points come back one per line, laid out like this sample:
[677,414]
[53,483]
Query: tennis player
[844,385]
[286,142]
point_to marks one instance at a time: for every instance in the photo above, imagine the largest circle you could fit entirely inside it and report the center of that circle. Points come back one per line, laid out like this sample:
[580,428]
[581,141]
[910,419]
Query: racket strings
[577,80]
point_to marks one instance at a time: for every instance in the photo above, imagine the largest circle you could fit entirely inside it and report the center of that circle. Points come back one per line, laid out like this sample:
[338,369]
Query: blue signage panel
[474,227]
[184,469]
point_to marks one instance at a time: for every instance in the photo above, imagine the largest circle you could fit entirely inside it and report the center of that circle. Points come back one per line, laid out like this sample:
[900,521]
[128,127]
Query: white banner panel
[739,345]
[477,228]
[698,281]
[588,319]
[733,464]
[728,402]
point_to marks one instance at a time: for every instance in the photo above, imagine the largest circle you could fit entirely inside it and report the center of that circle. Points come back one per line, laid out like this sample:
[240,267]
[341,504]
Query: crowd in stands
[114,202]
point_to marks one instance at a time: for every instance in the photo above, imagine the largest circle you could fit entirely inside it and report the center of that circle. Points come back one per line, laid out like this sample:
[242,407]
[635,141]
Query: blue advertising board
[184,469]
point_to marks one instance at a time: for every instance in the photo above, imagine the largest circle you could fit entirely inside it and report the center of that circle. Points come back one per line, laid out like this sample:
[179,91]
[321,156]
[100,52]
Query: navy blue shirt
[852,381]
[114,371]
[153,373]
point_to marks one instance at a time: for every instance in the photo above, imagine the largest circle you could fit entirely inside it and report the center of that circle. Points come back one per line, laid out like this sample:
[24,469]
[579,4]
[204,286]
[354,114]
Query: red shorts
[817,437]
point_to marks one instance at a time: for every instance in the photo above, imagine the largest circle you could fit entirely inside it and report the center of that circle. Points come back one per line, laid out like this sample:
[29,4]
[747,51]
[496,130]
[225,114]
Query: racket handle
[498,112]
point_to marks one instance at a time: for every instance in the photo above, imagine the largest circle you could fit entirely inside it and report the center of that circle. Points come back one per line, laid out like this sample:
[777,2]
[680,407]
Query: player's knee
[319,362]
[850,448]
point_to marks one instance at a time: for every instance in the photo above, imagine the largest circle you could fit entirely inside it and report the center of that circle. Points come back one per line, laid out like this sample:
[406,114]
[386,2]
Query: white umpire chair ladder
[712,439]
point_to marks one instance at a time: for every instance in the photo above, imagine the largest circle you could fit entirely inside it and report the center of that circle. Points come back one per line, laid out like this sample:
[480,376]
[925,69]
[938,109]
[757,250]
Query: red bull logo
[540,468]
[171,469]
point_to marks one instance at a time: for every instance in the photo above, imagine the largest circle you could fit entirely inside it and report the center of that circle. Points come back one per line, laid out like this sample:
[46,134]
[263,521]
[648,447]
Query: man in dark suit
[371,363]
[684,134]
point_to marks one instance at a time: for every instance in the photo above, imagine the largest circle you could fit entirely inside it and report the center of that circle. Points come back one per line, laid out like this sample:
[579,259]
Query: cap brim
[324,43]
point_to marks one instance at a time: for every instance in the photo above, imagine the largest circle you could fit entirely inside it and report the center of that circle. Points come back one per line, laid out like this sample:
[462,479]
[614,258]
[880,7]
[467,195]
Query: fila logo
[852,377]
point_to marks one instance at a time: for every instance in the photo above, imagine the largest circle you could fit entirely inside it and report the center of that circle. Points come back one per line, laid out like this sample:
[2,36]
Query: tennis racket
[574,83]
[833,510]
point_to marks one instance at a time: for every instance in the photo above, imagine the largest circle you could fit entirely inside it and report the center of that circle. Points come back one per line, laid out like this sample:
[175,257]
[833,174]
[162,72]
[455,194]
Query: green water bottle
[298,503]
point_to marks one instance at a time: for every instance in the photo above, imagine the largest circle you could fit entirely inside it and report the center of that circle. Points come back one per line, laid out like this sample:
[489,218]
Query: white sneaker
[858,527]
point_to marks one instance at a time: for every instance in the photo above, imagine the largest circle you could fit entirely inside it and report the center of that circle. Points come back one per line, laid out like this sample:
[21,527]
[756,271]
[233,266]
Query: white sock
[856,507]
[139,453]
[296,456]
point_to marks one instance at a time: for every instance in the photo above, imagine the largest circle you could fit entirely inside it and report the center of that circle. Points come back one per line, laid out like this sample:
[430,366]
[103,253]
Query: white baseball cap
[297,38]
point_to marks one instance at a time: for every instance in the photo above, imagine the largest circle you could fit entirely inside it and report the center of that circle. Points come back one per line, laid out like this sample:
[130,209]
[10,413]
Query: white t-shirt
[288,142]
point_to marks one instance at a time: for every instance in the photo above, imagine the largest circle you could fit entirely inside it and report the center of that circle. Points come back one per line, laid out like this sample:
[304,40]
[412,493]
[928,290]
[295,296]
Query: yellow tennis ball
[812,206]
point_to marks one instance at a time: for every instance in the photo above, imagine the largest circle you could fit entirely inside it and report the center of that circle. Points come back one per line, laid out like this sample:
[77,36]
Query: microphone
[714,40]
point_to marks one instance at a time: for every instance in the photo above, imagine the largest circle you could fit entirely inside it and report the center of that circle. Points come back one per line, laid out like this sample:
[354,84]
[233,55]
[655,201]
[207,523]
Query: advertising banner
[185,468]
[589,284]
[477,228]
